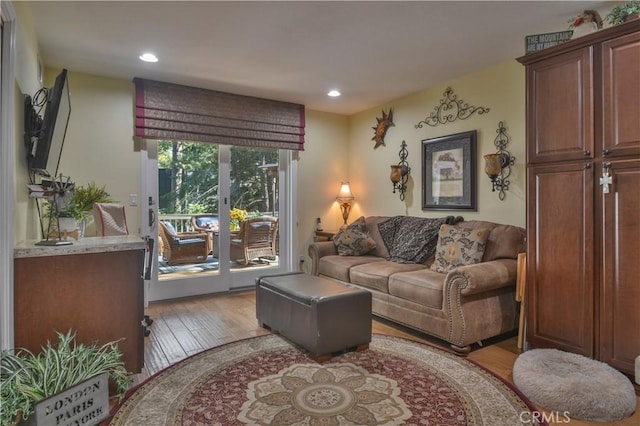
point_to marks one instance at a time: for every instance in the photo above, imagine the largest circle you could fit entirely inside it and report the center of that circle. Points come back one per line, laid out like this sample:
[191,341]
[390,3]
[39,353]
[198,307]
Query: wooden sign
[86,403]
[534,43]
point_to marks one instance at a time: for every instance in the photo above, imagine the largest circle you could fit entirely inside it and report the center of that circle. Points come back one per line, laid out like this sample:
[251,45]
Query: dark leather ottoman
[318,314]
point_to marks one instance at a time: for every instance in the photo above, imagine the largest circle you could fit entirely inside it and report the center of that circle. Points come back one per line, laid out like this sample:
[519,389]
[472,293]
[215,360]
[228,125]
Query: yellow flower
[238,214]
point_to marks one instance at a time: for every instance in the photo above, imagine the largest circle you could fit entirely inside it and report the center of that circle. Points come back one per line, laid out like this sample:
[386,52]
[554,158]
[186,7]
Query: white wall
[501,88]
[323,165]
[25,219]
[99,145]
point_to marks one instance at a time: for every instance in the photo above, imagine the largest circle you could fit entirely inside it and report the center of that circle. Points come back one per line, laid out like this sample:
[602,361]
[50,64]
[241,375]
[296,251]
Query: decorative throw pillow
[354,240]
[208,222]
[459,247]
[110,219]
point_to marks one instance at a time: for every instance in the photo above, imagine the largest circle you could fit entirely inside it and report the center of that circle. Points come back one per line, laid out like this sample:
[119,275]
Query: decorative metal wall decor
[384,123]
[498,165]
[450,109]
[449,172]
[400,172]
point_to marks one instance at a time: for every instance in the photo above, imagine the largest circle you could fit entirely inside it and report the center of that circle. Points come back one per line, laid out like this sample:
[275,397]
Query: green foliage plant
[620,12]
[80,202]
[84,197]
[26,378]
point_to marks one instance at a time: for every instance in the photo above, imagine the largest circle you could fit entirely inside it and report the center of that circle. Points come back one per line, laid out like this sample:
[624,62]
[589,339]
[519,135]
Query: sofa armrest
[318,250]
[481,277]
[480,301]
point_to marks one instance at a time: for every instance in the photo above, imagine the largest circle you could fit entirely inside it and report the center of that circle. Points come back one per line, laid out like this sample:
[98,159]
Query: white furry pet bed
[582,387]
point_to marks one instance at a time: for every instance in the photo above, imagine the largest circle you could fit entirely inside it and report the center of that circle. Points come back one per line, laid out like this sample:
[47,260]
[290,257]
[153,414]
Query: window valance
[166,111]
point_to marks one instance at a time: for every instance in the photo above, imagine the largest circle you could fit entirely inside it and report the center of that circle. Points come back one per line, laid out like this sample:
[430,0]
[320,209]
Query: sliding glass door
[219,219]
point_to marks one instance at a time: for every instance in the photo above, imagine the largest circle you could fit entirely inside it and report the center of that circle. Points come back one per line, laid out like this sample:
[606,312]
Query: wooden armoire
[583,196]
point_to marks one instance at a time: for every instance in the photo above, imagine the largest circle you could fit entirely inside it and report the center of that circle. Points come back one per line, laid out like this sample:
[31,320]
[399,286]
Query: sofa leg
[461,350]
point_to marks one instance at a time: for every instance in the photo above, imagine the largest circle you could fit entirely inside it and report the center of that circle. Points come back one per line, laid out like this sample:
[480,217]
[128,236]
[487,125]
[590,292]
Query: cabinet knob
[587,165]
[587,152]
[605,152]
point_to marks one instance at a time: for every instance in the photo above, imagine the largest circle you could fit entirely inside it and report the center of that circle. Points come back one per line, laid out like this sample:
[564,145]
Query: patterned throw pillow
[354,240]
[459,247]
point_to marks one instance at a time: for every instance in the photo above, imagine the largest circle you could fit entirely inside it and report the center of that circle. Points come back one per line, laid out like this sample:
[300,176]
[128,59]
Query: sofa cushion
[376,275]
[354,240]
[505,241]
[459,247]
[423,286]
[337,267]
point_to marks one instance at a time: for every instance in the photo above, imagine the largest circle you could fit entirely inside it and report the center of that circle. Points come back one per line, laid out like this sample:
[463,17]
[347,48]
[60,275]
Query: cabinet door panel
[620,287]
[98,295]
[560,258]
[621,97]
[560,105]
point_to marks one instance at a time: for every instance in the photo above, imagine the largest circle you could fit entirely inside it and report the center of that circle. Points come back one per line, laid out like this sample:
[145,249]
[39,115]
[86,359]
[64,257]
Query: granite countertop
[82,246]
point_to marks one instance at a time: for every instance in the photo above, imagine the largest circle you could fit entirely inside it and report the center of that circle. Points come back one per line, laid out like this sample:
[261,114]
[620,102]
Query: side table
[322,235]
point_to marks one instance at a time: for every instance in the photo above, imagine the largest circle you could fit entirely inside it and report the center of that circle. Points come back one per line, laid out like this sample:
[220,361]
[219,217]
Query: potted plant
[27,378]
[623,12]
[84,197]
[77,205]
[236,217]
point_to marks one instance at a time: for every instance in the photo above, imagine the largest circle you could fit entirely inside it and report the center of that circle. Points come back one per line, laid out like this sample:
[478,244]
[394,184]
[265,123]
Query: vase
[584,29]
[492,164]
[631,17]
[396,173]
[82,226]
[68,224]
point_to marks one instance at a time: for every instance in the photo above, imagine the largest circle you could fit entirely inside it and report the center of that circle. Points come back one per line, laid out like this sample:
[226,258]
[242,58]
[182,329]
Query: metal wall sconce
[344,198]
[400,172]
[498,165]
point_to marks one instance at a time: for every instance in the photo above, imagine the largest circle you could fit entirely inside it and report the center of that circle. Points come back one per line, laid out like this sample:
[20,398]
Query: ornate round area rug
[267,381]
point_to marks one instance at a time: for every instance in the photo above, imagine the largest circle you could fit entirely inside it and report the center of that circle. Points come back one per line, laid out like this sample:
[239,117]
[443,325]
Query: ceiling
[373,52]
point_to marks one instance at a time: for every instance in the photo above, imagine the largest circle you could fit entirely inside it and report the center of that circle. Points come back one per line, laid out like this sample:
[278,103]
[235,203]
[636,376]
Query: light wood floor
[185,327]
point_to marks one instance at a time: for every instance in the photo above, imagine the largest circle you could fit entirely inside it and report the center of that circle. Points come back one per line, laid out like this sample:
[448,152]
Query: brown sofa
[464,306]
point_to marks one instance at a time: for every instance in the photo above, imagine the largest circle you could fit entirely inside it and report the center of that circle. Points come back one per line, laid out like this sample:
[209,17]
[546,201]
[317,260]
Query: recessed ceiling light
[333,93]
[148,57]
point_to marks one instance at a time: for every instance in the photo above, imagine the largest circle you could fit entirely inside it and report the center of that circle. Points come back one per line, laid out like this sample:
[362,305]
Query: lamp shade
[345,194]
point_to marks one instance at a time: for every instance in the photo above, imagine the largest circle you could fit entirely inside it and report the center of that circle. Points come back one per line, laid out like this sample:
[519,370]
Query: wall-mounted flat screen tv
[45,153]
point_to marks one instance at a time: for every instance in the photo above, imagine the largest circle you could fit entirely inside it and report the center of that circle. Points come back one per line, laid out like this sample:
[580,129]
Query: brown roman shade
[167,111]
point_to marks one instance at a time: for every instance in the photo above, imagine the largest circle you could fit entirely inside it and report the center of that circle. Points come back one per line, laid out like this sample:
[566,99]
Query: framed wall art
[449,172]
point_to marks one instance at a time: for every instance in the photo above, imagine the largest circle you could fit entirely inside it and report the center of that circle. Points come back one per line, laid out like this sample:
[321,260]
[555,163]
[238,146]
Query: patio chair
[209,223]
[256,239]
[183,247]
[205,222]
